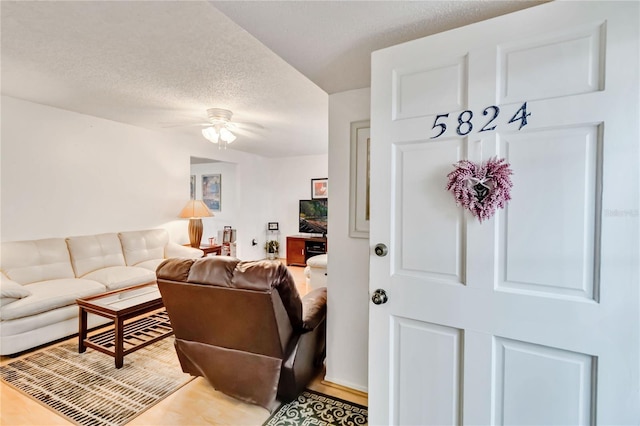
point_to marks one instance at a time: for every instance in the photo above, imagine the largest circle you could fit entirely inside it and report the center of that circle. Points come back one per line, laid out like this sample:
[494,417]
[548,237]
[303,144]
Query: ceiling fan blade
[172,125]
[248,125]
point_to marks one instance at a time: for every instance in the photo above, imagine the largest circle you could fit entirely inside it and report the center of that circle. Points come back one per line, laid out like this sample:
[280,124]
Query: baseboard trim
[345,388]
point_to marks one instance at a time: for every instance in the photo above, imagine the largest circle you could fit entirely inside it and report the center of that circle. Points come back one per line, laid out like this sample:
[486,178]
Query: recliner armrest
[314,308]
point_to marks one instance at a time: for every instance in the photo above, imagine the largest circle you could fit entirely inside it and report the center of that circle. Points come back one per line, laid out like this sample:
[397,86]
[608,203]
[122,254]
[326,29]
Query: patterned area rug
[314,408]
[87,389]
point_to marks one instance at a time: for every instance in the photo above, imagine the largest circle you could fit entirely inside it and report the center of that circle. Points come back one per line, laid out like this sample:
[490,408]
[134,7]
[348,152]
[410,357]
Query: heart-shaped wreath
[481,188]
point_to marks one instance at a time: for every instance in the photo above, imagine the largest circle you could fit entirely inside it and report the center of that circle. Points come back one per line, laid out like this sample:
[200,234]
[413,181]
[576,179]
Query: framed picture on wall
[272,226]
[360,176]
[212,191]
[193,187]
[319,189]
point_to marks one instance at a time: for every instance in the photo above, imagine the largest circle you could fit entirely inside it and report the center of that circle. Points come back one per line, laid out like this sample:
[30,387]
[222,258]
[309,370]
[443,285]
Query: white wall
[229,207]
[291,178]
[348,258]
[64,173]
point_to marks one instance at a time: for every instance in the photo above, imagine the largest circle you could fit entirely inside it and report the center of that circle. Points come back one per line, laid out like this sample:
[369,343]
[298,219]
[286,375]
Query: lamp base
[195,231]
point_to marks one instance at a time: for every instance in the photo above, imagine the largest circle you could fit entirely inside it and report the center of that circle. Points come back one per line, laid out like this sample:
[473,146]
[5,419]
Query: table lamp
[194,210]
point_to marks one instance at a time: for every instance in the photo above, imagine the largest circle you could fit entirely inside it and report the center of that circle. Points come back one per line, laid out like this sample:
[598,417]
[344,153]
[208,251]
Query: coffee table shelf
[136,334]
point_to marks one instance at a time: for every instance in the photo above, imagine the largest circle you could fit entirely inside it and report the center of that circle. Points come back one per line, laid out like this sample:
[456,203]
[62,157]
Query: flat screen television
[313,217]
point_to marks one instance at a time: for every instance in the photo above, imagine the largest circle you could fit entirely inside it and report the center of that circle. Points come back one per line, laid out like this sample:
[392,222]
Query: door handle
[379,297]
[380,250]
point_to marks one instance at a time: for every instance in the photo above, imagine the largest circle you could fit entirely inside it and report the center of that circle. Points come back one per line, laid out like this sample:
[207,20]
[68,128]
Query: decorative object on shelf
[194,210]
[212,191]
[272,247]
[481,188]
[228,238]
[360,173]
[220,131]
[319,188]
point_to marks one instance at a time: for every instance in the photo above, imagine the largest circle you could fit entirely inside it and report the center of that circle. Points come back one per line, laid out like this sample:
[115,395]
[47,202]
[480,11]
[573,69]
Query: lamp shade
[195,208]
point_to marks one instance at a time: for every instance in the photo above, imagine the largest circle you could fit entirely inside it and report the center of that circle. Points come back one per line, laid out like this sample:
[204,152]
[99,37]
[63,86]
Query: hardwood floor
[196,403]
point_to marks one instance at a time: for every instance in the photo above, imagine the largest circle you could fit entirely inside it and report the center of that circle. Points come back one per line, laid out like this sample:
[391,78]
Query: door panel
[574,57]
[549,238]
[437,374]
[444,83]
[538,385]
[530,317]
[444,259]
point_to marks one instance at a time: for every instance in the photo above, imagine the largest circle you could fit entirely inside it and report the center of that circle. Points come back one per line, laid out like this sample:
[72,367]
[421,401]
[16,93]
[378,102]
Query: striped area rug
[318,409]
[87,389]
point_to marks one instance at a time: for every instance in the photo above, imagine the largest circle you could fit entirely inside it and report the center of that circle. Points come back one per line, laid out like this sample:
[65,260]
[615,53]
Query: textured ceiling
[154,64]
[331,41]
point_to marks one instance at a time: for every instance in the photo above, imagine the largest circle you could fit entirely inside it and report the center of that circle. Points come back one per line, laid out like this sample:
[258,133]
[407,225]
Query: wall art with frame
[360,178]
[319,189]
[212,191]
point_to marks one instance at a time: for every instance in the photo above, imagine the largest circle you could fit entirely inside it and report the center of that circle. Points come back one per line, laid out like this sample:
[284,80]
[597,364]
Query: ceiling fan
[220,129]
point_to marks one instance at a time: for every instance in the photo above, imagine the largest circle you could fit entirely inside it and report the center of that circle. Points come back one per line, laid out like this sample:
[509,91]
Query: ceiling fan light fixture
[219,131]
[226,135]
[220,135]
[211,134]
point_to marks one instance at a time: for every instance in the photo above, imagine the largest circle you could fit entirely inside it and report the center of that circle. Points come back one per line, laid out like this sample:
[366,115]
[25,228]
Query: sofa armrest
[176,250]
[314,308]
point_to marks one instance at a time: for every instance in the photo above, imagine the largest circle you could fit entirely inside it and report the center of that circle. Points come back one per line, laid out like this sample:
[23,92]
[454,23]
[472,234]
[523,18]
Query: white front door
[532,316]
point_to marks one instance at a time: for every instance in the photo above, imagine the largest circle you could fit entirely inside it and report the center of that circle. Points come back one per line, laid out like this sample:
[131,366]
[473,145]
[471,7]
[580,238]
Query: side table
[215,249]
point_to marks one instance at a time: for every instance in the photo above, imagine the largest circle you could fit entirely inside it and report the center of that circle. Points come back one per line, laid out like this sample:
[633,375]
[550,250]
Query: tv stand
[301,247]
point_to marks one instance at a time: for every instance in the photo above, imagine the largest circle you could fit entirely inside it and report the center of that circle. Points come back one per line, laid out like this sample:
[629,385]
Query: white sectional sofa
[40,280]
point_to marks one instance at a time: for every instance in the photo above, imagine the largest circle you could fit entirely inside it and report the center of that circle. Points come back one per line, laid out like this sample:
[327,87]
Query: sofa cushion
[47,295]
[151,265]
[140,246]
[92,252]
[10,291]
[115,277]
[38,260]
[176,250]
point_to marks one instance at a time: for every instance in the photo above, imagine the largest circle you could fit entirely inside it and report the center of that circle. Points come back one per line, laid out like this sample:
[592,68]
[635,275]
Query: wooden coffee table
[121,306]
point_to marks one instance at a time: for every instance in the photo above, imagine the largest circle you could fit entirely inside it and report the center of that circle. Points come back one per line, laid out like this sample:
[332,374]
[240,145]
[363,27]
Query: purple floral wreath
[481,188]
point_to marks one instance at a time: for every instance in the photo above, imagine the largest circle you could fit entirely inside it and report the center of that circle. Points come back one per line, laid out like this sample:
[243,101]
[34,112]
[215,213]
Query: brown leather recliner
[243,326]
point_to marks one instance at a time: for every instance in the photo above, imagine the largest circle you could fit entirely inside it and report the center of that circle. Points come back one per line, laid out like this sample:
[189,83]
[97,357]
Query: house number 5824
[465,120]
